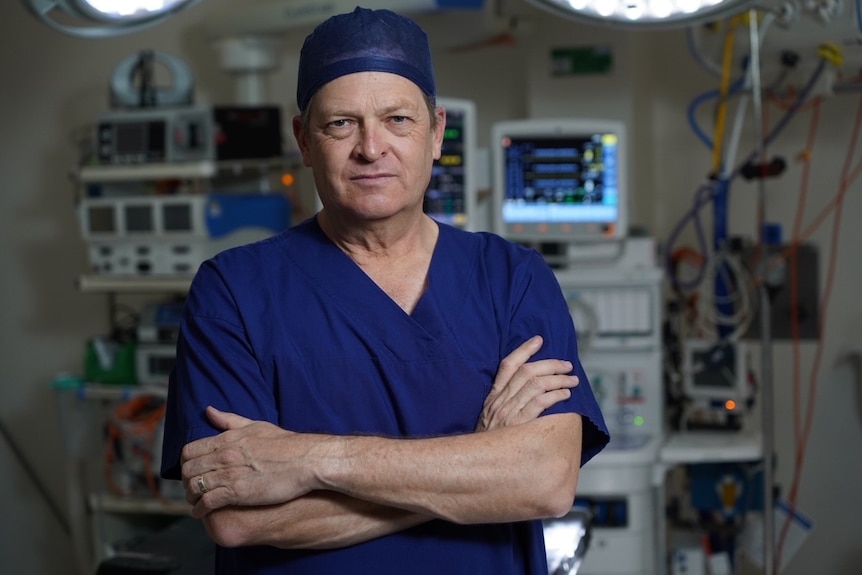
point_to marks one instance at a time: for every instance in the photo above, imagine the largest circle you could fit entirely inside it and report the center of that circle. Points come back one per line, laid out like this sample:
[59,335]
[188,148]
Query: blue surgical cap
[364,41]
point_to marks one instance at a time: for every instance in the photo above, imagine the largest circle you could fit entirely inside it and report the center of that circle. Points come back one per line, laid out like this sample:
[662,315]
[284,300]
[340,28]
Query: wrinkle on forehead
[379,92]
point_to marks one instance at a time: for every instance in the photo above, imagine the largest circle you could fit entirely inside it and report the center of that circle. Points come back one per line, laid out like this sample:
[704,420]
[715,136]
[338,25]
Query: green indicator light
[639,420]
[451,134]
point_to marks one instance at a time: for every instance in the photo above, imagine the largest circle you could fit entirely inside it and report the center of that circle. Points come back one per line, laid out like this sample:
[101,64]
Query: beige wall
[53,87]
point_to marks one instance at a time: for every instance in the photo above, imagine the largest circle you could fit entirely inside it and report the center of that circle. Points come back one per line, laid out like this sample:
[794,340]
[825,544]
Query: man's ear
[440,112]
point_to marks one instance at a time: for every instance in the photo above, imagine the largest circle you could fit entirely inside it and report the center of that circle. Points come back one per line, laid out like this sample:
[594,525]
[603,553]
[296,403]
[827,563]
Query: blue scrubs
[289,330]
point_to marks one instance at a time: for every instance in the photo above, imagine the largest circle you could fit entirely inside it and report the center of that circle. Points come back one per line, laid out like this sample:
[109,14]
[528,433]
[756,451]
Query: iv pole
[766,392]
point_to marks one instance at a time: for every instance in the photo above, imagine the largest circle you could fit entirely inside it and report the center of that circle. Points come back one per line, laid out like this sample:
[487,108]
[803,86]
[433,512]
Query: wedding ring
[202,487]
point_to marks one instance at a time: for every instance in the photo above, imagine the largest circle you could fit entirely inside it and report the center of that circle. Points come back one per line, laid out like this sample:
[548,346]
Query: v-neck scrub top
[291,331]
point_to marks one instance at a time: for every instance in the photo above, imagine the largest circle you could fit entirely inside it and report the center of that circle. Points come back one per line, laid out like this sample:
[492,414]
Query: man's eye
[338,123]
[399,119]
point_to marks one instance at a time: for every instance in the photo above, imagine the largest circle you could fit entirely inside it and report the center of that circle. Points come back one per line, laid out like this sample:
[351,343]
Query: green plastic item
[110,362]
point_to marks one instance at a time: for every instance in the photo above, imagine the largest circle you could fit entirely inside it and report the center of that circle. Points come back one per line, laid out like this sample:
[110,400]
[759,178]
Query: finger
[197,448]
[528,401]
[216,496]
[512,362]
[195,489]
[207,492]
[192,498]
[539,385]
[199,510]
[503,400]
[531,375]
[197,485]
[203,507]
[211,501]
[225,420]
[538,404]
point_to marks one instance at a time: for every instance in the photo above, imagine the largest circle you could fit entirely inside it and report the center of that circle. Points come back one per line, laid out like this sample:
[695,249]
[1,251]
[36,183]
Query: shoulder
[487,247]
[489,260]
[260,255]
[248,267]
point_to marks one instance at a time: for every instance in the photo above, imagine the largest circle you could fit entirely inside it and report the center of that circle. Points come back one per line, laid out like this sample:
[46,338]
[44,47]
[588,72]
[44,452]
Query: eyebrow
[407,108]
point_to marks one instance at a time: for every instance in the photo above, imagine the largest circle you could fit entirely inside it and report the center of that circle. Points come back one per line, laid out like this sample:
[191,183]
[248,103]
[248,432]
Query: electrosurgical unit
[173,235]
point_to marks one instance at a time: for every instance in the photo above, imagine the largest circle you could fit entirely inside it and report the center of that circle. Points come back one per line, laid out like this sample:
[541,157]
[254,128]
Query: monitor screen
[131,137]
[177,217]
[139,218]
[451,194]
[714,371]
[101,220]
[560,180]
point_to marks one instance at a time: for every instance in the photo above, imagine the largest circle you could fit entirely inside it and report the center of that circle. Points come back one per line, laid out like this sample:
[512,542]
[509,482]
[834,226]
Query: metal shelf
[85,390]
[712,447]
[100,283]
[151,506]
[179,170]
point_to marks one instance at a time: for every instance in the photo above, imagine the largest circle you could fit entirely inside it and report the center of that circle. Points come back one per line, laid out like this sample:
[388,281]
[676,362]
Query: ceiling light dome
[643,13]
[100,18]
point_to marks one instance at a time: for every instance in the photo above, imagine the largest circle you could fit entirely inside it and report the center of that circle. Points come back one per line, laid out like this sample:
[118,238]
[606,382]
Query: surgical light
[661,8]
[635,9]
[643,13]
[102,18]
[121,9]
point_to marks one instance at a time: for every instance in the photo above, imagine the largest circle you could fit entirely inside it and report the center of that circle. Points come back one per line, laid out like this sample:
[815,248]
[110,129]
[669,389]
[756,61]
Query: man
[372,392]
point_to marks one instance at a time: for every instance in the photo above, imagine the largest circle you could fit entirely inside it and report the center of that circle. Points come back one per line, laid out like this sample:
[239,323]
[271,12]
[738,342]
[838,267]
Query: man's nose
[372,142]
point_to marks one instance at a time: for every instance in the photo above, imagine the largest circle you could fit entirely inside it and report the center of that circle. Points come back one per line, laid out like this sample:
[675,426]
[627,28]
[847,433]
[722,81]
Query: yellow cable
[721,114]
[831,53]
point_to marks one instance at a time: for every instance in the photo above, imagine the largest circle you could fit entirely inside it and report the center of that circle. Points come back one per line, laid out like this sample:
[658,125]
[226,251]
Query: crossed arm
[270,486]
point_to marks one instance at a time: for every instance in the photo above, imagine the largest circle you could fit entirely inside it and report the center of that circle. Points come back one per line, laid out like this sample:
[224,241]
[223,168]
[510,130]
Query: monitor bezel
[468,108]
[559,128]
[701,392]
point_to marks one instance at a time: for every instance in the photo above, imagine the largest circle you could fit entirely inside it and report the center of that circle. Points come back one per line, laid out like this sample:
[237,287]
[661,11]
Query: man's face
[370,144]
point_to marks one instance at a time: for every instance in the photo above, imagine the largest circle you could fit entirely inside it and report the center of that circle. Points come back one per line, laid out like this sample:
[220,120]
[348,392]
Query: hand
[249,463]
[522,390]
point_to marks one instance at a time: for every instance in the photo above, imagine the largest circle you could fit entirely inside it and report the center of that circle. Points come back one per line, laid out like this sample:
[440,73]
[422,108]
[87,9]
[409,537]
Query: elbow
[560,491]
[227,528]
[244,526]
[561,465]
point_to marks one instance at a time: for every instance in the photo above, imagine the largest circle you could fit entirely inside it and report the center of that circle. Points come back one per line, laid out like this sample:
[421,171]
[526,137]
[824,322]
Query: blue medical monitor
[451,194]
[560,180]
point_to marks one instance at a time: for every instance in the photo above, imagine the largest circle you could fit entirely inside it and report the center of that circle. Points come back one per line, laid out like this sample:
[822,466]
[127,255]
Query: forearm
[516,473]
[319,520]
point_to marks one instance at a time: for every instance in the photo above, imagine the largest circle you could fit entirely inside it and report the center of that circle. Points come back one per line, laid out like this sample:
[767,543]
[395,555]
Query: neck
[385,239]
[396,258]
